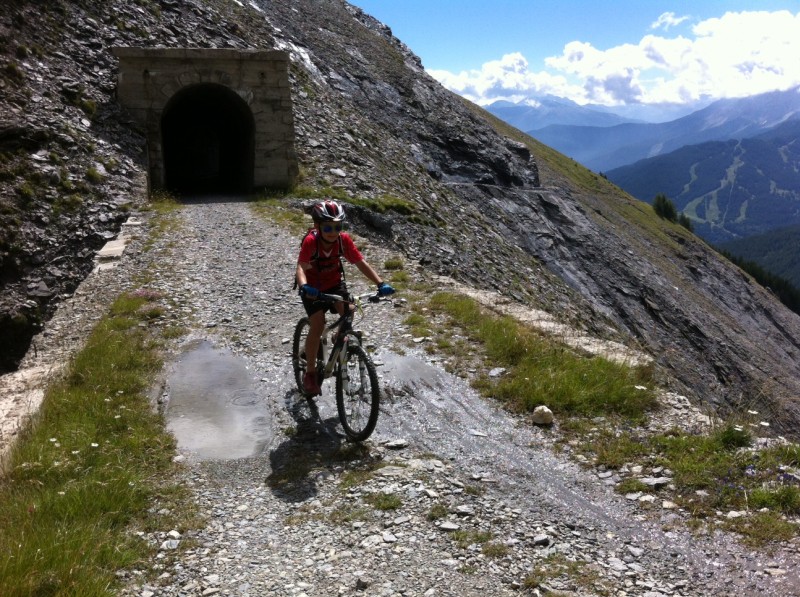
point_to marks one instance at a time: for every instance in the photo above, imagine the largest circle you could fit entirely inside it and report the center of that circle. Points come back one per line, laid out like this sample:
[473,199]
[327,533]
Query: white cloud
[508,79]
[667,20]
[735,55]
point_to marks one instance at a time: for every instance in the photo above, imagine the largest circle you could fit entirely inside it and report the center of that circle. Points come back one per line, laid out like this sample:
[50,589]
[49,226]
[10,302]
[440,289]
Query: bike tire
[357,394]
[299,362]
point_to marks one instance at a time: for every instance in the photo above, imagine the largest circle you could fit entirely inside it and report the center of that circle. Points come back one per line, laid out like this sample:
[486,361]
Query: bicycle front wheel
[357,394]
[299,362]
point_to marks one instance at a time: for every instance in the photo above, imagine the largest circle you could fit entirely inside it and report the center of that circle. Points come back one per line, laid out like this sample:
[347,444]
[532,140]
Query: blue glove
[384,289]
[307,291]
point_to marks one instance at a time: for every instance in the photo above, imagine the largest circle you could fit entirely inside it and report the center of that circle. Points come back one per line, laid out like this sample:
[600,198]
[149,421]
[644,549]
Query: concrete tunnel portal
[215,120]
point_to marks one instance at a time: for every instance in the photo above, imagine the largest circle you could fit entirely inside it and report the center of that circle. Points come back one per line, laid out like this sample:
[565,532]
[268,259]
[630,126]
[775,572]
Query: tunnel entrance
[215,120]
[207,137]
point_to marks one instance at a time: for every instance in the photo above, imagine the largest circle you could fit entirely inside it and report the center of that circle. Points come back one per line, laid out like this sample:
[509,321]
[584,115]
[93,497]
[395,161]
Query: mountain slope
[777,251]
[606,148]
[729,189]
[491,206]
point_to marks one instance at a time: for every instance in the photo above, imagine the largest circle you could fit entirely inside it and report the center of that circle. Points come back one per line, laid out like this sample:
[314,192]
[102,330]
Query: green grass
[711,473]
[465,538]
[542,371]
[495,550]
[166,208]
[276,210]
[437,512]
[386,203]
[383,501]
[394,263]
[93,175]
[89,469]
[576,574]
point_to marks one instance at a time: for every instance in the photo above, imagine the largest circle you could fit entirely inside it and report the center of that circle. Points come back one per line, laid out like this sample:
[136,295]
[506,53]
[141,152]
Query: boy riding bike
[320,269]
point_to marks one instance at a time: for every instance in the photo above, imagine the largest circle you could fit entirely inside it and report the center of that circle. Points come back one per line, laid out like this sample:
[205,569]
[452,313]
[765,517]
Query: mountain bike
[357,389]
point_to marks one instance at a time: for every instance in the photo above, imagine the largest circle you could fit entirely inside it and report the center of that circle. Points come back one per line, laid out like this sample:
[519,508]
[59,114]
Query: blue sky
[612,52]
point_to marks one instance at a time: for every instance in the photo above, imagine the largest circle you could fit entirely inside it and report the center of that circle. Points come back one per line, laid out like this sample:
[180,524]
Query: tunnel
[207,134]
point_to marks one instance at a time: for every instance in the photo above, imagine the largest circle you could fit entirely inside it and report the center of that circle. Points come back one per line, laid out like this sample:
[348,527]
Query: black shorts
[312,305]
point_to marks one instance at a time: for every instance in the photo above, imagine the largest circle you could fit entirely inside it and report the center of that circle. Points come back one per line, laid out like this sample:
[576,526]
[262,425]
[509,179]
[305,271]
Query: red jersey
[326,271]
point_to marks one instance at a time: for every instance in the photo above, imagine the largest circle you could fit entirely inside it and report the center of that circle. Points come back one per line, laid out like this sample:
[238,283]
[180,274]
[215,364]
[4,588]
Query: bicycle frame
[338,353]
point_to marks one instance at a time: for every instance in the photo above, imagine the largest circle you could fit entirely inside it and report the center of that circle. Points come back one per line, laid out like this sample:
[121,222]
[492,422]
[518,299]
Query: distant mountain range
[603,147]
[547,110]
[729,189]
[551,110]
[732,166]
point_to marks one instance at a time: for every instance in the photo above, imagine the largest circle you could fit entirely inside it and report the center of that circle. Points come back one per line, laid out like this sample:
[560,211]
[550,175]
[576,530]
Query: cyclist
[320,269]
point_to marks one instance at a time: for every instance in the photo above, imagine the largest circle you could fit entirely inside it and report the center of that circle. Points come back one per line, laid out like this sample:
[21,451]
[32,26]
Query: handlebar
[335,298]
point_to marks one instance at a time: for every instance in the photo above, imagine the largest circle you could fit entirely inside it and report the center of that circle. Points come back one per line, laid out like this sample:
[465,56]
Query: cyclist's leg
[341,290]
[316,325]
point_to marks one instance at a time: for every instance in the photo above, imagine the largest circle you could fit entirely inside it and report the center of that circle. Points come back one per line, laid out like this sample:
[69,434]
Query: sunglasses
[332,227]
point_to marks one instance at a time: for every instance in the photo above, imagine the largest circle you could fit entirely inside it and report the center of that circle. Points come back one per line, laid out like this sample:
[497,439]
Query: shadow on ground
[310,451]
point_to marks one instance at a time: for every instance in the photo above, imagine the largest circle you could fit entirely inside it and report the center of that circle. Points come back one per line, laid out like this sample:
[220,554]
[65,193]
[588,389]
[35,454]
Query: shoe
[310,385]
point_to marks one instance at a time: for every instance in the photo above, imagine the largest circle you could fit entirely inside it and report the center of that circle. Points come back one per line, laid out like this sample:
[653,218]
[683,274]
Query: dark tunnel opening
[207,134]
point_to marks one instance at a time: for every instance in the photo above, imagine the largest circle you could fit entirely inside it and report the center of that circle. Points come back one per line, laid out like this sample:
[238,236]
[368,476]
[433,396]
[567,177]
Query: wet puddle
[416,376]
[216,410]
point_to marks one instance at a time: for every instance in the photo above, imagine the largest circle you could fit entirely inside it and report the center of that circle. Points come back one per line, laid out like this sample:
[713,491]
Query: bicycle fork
[345,372]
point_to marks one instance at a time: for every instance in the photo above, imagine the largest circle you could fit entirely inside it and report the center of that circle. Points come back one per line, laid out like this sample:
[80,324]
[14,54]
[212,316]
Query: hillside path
[481,501]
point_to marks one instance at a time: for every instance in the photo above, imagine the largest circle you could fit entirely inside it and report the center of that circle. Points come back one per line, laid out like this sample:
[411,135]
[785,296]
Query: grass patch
[394,264]
[631,485]
[383,501]
[358,476]
[612,450]
[437,512]
[465,538]
[386,203]
[542,371]
[86,471]
[399,279]
[713,473]
[276,210]
[419,325]
[603,407]
[579,575]
[495,550]
[166,206]
[762,528]
[93,175]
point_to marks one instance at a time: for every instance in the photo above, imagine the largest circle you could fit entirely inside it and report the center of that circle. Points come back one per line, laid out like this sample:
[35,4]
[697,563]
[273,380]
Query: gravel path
[451,496]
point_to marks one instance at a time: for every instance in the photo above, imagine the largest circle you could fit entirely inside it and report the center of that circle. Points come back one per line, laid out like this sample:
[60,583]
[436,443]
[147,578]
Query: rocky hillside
[490,207]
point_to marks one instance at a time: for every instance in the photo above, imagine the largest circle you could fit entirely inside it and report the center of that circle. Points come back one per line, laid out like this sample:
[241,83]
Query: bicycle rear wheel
[357,394]
[299,362]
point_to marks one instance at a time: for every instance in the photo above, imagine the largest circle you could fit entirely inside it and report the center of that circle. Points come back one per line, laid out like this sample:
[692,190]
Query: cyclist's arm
[366,269]
[302,268]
